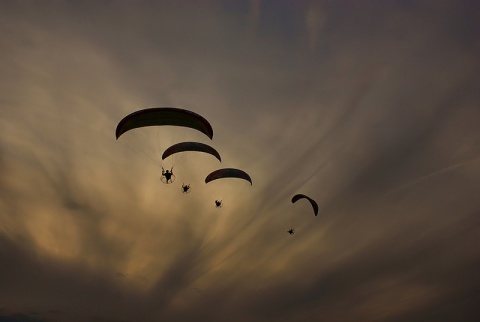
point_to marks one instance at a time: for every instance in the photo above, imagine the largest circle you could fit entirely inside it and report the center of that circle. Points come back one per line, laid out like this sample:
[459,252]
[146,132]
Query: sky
[371,108]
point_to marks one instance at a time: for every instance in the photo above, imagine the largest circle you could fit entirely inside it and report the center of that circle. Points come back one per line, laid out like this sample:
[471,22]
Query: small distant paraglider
[218,204]
[185,188]
[312,202]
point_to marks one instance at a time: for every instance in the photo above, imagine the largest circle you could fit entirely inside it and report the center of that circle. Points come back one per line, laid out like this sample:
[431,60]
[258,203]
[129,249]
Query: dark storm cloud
[45,281]
[19,318]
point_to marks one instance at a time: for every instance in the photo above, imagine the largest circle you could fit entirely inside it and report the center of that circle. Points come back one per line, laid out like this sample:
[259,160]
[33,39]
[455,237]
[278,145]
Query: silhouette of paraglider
[185,188]
[167,175]
[312,202]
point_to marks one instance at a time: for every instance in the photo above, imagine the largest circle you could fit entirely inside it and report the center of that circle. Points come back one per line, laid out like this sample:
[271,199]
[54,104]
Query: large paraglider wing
[190,146]
[228,173]
[312,202]
[164,116]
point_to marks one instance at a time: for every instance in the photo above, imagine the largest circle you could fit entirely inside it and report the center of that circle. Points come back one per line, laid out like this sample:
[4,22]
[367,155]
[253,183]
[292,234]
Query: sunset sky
[372,108]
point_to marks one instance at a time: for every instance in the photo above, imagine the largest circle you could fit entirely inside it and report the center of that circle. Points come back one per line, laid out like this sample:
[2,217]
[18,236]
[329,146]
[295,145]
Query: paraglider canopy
[190,146]
[312,202]
[228,173]
[164,116]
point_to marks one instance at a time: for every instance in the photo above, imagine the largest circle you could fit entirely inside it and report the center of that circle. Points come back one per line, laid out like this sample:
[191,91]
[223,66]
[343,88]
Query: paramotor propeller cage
[171,180]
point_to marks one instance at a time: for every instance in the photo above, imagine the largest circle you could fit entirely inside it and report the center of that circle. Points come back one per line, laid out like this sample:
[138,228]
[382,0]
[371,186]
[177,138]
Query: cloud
[315,19]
